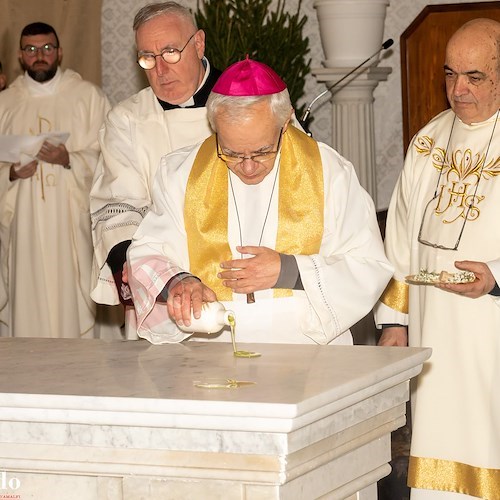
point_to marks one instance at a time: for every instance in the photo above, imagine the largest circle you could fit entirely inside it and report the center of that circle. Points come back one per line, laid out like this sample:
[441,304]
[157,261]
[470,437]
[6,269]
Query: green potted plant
[235,28]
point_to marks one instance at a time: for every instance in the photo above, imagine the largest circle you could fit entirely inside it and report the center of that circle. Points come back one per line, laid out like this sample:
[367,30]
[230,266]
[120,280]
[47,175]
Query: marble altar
[111,420]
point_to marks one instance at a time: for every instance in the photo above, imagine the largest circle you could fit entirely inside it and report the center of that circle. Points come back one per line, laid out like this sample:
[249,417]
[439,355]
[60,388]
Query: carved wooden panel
[423,46]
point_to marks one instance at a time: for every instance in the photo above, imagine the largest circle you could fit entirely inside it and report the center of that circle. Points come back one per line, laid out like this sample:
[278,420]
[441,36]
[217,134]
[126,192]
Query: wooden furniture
[423,46]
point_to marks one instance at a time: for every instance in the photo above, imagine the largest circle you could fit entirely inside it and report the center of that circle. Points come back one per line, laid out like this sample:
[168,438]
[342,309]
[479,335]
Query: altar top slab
[138,376]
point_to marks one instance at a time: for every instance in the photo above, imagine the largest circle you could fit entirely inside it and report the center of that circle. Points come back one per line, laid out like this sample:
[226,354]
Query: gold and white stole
[300,207]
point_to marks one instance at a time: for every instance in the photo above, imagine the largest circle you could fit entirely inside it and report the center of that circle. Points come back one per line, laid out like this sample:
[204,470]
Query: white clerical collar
[43,88]
[190,101]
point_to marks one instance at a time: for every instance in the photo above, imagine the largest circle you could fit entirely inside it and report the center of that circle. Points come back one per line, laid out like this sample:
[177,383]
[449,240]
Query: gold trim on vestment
[300,207]
[395,296]
[445,475]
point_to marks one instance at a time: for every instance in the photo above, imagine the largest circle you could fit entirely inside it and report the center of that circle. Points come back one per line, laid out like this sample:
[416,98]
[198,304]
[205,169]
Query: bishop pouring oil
[214,317]
[260,222]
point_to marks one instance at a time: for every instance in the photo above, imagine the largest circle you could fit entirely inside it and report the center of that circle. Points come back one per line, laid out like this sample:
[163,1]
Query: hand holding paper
[23,172]
[24,148]
[50,153]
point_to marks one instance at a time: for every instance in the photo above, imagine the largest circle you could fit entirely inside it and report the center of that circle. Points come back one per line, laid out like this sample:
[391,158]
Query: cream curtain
[78,26]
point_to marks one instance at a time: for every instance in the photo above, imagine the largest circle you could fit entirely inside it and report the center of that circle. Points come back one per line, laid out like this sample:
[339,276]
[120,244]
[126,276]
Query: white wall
[122,77]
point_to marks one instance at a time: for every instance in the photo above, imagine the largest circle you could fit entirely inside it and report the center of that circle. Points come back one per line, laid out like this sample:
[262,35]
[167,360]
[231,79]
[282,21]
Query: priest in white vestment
[274,224]
[444,216]
[167,115]
[46,246]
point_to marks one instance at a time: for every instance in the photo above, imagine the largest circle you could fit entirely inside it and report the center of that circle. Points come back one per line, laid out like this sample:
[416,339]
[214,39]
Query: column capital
[376,73]
[359,85]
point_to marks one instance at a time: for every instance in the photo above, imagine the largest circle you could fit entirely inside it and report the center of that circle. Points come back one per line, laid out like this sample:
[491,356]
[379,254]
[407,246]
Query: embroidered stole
[300,207]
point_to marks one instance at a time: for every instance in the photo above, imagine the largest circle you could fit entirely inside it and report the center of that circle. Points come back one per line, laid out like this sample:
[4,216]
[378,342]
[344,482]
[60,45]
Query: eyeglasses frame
[220,154]
[161,54]
[469,207]
[34,53]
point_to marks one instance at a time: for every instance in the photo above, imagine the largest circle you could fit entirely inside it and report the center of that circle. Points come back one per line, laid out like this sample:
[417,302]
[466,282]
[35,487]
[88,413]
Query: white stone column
[353,134]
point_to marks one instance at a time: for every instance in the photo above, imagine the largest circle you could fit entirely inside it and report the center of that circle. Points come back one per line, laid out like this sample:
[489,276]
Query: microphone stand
[388,43]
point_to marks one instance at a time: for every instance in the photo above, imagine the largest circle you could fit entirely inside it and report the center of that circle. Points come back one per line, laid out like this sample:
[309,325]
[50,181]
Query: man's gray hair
[235,108]
[163,8]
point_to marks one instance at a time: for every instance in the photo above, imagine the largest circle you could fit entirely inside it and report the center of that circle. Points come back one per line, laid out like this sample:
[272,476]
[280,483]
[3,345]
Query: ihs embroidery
[460,173]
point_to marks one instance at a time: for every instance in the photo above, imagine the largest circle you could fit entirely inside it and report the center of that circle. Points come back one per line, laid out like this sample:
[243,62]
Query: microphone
[388,43]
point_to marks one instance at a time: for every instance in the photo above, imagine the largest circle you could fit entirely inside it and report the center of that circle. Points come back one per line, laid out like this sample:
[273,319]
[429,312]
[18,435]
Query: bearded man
[46,252]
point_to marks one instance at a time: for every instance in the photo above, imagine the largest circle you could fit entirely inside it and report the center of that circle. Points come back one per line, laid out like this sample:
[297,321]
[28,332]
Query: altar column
[353,134]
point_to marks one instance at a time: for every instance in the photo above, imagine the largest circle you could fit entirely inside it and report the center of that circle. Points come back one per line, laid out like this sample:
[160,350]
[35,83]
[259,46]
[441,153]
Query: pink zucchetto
[248,78]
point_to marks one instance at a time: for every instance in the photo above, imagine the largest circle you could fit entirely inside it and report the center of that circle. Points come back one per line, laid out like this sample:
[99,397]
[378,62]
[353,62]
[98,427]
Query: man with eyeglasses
[444,216]
[44,204]
[261,217]
[167,115]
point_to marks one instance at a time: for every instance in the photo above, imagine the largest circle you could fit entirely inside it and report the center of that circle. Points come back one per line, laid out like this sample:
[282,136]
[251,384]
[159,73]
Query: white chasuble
[45,221]
[456,432]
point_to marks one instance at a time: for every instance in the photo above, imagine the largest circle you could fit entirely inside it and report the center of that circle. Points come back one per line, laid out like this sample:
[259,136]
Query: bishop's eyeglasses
[46,49]
[234,160]
[147,60]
